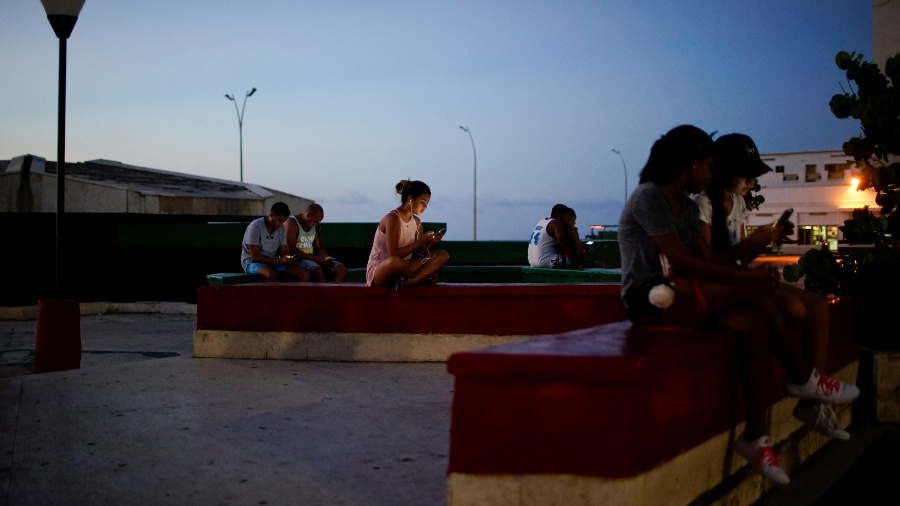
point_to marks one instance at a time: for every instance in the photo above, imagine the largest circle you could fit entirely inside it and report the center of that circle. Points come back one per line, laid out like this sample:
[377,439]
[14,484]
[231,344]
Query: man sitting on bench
[305,240]
[265,251]
[550,244]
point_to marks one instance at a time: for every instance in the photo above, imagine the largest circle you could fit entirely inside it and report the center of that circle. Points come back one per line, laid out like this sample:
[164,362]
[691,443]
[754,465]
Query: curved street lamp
[58,336]
[616,151]
[474,185]
[240,117]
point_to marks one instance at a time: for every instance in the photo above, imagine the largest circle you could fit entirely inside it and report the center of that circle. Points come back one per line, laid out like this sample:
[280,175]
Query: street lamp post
[625,170]
[58,336]
[240,117]
[474,185]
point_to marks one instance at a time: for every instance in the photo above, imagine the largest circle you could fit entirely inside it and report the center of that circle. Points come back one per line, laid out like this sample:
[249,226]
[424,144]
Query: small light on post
[854,182]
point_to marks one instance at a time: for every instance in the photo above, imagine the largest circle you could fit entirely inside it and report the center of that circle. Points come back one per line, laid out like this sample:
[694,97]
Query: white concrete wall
[885,30]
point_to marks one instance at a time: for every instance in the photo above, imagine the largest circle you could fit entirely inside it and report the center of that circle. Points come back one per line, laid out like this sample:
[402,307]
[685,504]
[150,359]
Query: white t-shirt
[735,220]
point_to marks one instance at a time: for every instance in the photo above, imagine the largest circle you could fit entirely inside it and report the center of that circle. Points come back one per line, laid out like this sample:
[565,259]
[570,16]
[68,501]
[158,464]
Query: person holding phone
[402,252]
[722,215]
[723,210]
[552,245]
[660,221]
[304,237]
[265,250]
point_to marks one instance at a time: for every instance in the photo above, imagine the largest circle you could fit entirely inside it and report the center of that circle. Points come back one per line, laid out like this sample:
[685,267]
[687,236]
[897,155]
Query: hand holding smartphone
[785,216]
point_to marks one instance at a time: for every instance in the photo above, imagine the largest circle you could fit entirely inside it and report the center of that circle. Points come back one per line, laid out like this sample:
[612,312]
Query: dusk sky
[354,96]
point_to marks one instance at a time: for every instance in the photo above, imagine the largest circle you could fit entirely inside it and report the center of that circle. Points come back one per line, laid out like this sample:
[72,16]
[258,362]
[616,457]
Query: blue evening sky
[355,95]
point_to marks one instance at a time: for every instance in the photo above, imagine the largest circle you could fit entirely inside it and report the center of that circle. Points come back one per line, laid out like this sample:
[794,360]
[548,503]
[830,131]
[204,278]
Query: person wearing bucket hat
[722,214]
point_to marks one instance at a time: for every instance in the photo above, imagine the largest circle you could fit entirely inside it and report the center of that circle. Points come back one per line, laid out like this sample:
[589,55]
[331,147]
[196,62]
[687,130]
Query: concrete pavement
[144,423]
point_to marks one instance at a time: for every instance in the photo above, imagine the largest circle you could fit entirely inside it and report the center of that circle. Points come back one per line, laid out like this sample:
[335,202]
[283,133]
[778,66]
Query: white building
[819,187]
[28,184]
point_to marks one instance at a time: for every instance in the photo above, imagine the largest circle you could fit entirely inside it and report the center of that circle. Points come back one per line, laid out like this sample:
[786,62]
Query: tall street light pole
[474,185]
[240,117]
[58,336]
[616,151]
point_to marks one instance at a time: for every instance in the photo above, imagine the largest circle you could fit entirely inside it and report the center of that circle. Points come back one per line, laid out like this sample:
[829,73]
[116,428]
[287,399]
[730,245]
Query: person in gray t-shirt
[265,251]
[670,278]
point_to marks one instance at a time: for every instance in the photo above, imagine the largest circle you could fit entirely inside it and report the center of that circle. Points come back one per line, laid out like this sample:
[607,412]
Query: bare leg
[422,271]
[389,270]
[753,361]
[268,273]
[338,273]
[815,325]
[316,275]
[785,343]
[296,272]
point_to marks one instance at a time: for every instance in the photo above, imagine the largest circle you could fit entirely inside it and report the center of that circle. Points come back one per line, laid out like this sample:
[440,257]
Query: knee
[397,264]
[794,310]
[302,275]
[750,327]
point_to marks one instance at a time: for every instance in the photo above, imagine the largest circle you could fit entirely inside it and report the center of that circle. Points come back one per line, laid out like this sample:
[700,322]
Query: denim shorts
[253,267]
[326,267]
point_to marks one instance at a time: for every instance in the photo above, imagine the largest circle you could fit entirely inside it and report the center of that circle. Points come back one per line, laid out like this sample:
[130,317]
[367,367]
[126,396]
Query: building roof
[159,191]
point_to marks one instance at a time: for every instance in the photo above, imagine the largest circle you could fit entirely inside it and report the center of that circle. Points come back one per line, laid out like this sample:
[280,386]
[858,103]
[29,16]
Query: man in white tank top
[548,245]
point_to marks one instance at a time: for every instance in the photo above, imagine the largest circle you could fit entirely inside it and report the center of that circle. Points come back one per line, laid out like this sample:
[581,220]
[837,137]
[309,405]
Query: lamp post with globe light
[58,335]
[240,117]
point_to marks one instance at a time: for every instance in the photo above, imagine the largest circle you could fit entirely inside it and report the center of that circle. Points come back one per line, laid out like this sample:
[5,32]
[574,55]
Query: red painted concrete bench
[631,415]
[305,321]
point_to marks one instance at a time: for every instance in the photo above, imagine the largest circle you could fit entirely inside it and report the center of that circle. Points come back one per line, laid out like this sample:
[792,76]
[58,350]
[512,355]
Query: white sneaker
[821,418]
[761,456]
[821,388]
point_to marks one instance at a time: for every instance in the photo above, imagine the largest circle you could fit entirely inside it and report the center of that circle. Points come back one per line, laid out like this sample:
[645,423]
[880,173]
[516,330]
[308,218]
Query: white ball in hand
[662,296]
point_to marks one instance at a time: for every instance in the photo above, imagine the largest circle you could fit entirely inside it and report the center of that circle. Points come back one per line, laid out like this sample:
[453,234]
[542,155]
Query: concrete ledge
[90,308]
[478,309]
[691,475]
[339,347]
[886,383]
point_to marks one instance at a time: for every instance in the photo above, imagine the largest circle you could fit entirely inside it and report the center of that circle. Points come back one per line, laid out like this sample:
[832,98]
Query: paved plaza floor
[143,423]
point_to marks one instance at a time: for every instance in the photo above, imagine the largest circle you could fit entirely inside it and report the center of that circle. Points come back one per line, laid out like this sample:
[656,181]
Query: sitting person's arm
[392,237]
[577,246]
[699,267]
[558,231]
[751,247]
[320,254]
[257,256]
[292,230]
